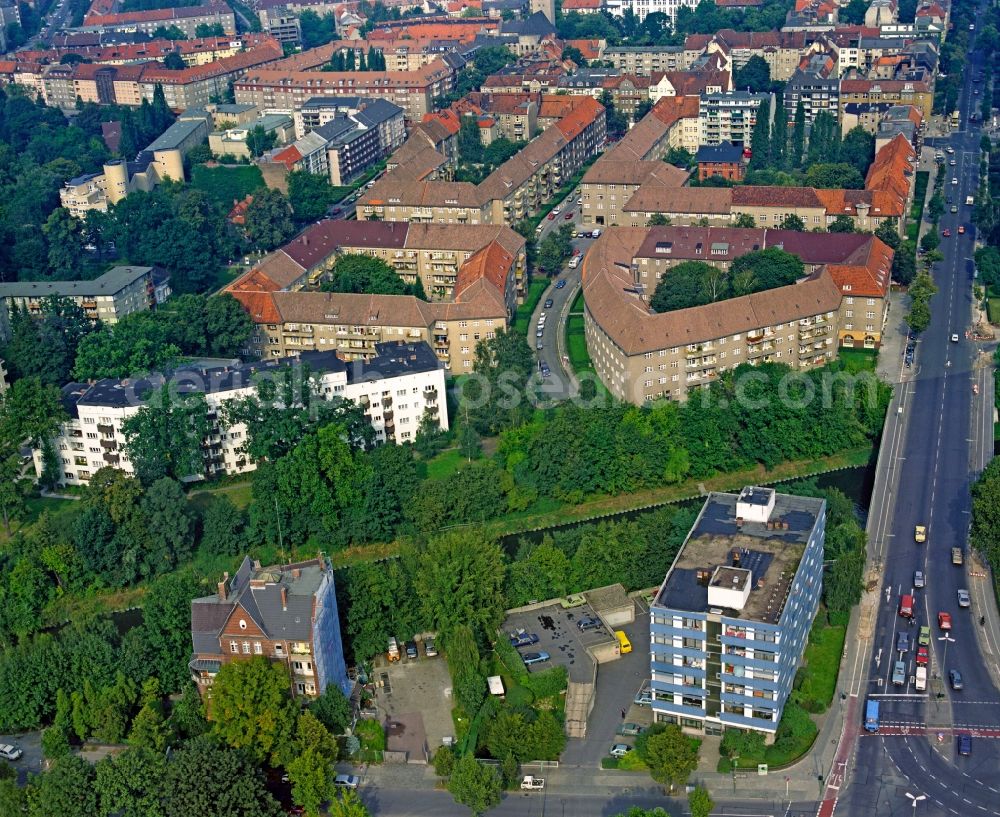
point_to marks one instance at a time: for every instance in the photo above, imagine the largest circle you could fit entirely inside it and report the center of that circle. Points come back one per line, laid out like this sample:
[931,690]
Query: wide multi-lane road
[933,450]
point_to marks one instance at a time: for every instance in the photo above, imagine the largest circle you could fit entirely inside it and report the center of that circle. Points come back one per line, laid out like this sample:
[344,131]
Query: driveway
[31,761]
[617,683]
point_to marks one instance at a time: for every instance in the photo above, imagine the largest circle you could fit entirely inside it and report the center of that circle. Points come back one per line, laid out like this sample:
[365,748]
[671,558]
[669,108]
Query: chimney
[284,598]
[222,586]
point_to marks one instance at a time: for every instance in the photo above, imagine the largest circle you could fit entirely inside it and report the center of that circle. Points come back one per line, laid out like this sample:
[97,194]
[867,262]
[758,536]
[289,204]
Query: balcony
[430,395]
[109,445]
[105,429]
[112,459]
[386,402]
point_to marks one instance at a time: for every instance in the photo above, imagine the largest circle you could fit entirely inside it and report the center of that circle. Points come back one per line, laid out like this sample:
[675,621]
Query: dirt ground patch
[415,705]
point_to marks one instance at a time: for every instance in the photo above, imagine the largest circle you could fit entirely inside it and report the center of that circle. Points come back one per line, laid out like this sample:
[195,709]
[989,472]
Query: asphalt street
[936,446]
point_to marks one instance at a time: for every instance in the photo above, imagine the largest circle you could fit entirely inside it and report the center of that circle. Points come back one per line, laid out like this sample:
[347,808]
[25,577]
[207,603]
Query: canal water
[855,483]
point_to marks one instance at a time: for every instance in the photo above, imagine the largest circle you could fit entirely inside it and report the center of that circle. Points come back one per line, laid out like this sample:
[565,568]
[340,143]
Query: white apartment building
[729,117]
[396,388]
[643,7]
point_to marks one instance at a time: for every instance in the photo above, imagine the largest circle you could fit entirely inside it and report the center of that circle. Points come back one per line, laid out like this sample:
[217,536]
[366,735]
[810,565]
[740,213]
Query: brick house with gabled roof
[286,613]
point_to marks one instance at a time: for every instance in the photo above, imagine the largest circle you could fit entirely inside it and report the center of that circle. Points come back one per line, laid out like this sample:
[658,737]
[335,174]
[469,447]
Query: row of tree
[351,59]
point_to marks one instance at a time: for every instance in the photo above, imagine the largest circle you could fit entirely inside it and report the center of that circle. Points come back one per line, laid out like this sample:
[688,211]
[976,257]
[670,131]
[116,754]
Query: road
[931,454]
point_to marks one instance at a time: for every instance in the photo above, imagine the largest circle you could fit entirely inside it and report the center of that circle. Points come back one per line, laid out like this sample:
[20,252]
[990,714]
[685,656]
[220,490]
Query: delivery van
[624,645]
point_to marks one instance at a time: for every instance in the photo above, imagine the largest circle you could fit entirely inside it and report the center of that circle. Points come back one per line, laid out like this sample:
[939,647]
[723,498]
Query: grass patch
[226,183]
[445,464]
[993,310]
[821,663]
[630,763]
[858,360]
[531,299]
[239,493]
[576,345]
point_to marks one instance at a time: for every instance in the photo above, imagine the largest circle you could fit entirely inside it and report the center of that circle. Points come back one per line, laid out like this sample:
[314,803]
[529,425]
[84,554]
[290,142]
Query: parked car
[620,750]
[631,729]
[903,641]
[10,751]
[552,216]
[539,345]
[430,650]
[954,337]
[955,677]
[346,781]
[523,639]
[944,621]
[588,623]
[963,598]
[925,636]
[923,657]
[918,579]
[548,303]
[568,216]
[644,697]
[411,650]
[595,233]
[546,371]
[530,658]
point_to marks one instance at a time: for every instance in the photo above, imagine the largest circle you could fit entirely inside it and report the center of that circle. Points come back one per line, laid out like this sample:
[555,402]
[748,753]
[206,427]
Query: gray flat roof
[109,283]
[172,137]
[771,554]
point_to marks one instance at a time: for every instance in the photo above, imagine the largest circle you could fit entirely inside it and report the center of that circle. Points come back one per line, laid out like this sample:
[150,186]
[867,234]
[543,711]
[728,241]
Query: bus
[871,716]
[624,645]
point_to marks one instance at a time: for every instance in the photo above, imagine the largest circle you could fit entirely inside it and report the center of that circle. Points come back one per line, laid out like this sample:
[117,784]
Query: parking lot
[413,704]
[31,760]
[560,637]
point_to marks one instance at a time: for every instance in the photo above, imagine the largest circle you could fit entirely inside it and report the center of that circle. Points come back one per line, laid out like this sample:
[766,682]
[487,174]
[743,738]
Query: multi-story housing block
[186,18]
[816,85]
[648,59]
[118,292]
[398,384]
[888,92]
[730,117]
[286,613]
[731,620]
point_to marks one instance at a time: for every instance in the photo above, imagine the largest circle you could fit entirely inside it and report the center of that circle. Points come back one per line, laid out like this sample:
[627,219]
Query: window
[246,648]
[257,650]
[243,624]
[234,647]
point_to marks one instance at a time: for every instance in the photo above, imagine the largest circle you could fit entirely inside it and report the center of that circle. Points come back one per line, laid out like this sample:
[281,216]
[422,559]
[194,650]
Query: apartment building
[888,92]
[107,298]
[288,90]
[397,385]
[514,191]
[648,60]
[731,620]
[516,115]
[196,51]
[640,8]
[384,116]
[286,613]
[816,85]
[689,83]
[640,355]
[233,141]
[730,117]
[781,50]
[187,19]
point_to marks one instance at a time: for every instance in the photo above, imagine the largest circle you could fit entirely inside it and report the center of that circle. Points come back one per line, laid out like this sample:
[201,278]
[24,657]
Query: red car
[568,216]
[551,216]
[961,229]
[922,656]
[946,233]
[577,252]
[944,621]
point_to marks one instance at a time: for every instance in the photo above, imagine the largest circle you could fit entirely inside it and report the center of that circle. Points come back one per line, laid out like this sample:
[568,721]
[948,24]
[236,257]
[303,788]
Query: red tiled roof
[576,5]
[589,49]
[447,118]
[156,15]
[580,118]
[264,53]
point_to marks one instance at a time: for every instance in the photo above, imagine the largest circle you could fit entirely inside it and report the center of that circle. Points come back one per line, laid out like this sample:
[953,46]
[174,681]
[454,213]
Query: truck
[956,556]
[393,651]
[529,783]
[920,681]
[871,716]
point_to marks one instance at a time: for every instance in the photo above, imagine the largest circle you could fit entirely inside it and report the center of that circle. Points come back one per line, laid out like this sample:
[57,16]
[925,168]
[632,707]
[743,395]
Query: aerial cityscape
[534,408]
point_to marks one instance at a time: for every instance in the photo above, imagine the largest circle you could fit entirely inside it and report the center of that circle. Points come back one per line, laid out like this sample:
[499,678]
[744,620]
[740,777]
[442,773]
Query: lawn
[821,664]
[227,184]
[238,492]
[858,360]
[445,463]
[576,345]
[525,310]
[993,309]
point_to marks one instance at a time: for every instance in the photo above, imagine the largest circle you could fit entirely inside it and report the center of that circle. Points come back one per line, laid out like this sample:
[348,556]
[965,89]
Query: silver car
[918,579]
[963,599]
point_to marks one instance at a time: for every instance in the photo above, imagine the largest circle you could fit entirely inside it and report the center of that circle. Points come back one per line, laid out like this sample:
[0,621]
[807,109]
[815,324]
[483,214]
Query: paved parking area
[617,683]
[32,760]
[560,637]
[414,705]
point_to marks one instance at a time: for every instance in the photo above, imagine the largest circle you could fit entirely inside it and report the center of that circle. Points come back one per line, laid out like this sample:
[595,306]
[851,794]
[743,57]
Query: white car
[620,750]
[963,599]
[954,338]
[10,752]
[954,181]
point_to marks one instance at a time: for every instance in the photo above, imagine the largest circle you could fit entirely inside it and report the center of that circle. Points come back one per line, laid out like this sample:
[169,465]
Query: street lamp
[736,759]
[915,798]
[947,639]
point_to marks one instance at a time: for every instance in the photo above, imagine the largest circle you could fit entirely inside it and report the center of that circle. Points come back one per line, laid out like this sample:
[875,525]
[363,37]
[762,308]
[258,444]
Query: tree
[63,235]
[658,220]
[745,220]
[332,709]
[66,788]
[209,30]
[29,410]
[853,14]
[223,528]
[798,136]
[174,62]
[164,437]
[309,194]
[354,272]
[268,218]
[834,176]
[760,137]
[904,265]
[842,224]
[617,124]
[187,716]
[792,222]
[251,707]
[310,776]
[671,756]
[348,805]
[824,138]
[259,141]
[470,145]
[554,250]
[209,780]
[755,76]
[316,30]
[858,149]
[171,526]
[700,803]
[130,783]
[888,233]
[461,581]
[474,785]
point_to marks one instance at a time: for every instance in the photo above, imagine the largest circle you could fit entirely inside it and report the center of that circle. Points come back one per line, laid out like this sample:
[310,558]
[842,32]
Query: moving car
[899,673]
[530,658]
[925,636]
[346,781]
[568,216]
[946,232]
[965,744]
[923,657]
[961,229]
[906,606]
[963,598]
[944,621]
[620,750]
[903,641]
[560,283]
[954,337]
[548,303]
[10,751]
[954,181]
[954,208]
[920,533]
[918,579]
[955,677]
